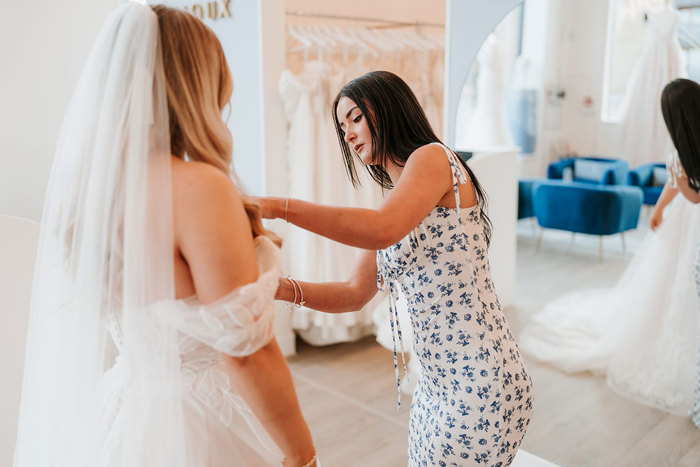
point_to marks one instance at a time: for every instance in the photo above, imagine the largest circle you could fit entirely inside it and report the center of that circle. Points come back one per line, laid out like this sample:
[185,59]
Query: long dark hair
[397,125]
[680,106]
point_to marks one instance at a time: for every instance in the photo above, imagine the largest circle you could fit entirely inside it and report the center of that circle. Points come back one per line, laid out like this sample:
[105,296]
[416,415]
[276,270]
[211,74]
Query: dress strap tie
[384,281]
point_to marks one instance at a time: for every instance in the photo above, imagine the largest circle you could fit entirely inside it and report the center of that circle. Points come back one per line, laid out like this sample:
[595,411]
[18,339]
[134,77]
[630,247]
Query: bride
[150,339]
[642,332]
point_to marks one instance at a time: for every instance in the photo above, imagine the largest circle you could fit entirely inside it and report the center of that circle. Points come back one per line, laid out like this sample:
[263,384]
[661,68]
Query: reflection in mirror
[596,71]
[558,78]
[481,119]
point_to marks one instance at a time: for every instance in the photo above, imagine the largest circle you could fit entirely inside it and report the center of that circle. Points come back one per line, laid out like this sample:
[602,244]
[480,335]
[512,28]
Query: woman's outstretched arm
[213,235]
[424,181]
[336,297]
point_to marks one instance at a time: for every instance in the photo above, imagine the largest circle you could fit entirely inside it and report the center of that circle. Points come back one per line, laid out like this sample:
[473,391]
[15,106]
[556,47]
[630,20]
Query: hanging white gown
[643,331]
[317,174]
[487,126]
[643,132]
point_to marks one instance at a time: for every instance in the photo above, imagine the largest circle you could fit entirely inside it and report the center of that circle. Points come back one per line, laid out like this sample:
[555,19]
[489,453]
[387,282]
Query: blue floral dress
[473,400]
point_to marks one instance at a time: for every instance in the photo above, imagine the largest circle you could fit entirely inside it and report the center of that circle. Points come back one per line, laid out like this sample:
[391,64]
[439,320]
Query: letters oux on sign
[212,9]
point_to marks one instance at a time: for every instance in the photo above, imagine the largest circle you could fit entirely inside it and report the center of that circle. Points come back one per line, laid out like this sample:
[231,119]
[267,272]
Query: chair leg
[533,224]
[624,246]
[539,240]
[600,249]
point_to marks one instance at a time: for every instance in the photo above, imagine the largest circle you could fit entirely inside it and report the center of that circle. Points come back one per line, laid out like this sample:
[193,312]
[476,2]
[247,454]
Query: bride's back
[213,224]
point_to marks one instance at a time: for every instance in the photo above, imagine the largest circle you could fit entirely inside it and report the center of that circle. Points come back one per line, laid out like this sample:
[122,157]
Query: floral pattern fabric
[473,400]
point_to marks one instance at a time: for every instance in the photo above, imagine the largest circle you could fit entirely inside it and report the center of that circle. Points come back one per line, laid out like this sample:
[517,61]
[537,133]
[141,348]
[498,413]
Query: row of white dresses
[317,173]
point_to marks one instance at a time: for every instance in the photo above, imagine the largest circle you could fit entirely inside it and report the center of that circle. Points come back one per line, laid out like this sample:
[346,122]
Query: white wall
[572,59]
[584,39]
[43,46]
[566,43]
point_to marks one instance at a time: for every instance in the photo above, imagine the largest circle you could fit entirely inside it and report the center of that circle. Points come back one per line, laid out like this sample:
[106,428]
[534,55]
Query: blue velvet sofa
[650,178]
[592,170]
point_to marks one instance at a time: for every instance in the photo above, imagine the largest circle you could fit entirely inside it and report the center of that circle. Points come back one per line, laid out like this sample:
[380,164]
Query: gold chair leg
[539,240]
[600,249]
[624,246]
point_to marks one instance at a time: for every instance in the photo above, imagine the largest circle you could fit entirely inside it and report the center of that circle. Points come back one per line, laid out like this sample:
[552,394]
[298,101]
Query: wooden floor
[348,393]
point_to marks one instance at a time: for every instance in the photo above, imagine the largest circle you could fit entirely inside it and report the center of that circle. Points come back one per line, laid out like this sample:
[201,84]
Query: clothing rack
[384,23]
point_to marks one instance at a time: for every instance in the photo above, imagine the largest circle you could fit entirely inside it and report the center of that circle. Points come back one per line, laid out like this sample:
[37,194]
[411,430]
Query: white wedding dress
[644,135]
[118,373]
[642,333]
[487,125]
[219,424]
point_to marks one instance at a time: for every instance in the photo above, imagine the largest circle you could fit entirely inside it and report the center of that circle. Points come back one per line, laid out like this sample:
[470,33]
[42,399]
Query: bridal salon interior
[555,107]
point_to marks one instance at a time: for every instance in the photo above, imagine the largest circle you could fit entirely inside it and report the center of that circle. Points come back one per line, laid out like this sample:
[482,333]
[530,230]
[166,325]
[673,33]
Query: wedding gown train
[642,333]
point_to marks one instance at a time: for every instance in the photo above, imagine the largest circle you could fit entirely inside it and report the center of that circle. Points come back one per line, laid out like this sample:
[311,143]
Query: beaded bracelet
[301,294]
[312,461]
[293,302]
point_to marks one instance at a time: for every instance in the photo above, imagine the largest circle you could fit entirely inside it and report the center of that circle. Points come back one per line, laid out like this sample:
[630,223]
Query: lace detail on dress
[206,379]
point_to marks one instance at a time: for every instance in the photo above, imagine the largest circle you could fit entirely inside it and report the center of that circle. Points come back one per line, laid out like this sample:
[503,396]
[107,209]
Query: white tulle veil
[105,259]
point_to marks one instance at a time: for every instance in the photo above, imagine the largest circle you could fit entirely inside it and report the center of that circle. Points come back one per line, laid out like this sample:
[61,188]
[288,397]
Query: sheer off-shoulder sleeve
[674,168]
[239,323]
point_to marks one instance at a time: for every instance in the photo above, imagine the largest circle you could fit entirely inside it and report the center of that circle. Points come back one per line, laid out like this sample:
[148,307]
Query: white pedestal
[497,171]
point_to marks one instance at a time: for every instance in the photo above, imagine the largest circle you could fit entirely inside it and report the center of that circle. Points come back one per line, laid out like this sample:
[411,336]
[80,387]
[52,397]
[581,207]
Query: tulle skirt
[642,333]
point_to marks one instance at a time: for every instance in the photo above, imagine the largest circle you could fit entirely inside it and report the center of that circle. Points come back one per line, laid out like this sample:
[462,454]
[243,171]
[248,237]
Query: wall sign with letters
[214,10]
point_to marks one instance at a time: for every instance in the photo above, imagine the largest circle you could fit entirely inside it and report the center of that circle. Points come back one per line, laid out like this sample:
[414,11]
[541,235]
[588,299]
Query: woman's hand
[283,289]
[271,208]
[656,219]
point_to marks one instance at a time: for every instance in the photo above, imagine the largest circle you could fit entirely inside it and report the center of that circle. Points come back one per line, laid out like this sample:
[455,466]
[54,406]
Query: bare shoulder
[432,163]
[199,181]
[212,230]
[205,201]
[429,161]
[430,153]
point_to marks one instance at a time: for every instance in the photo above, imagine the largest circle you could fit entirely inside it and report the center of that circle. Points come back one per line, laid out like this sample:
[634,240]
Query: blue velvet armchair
[585,208]
[650,178]
[526,190]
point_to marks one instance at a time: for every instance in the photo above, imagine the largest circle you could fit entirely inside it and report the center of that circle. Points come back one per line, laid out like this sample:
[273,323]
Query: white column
[468,23]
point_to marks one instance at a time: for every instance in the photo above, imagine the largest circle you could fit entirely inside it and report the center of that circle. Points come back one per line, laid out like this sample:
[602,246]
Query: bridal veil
[103,293]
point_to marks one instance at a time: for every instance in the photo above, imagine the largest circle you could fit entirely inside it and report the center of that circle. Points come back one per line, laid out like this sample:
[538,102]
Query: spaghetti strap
[458,176]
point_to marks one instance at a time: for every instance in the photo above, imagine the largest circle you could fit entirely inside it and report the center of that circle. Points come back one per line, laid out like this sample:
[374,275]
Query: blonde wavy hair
[198,86]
